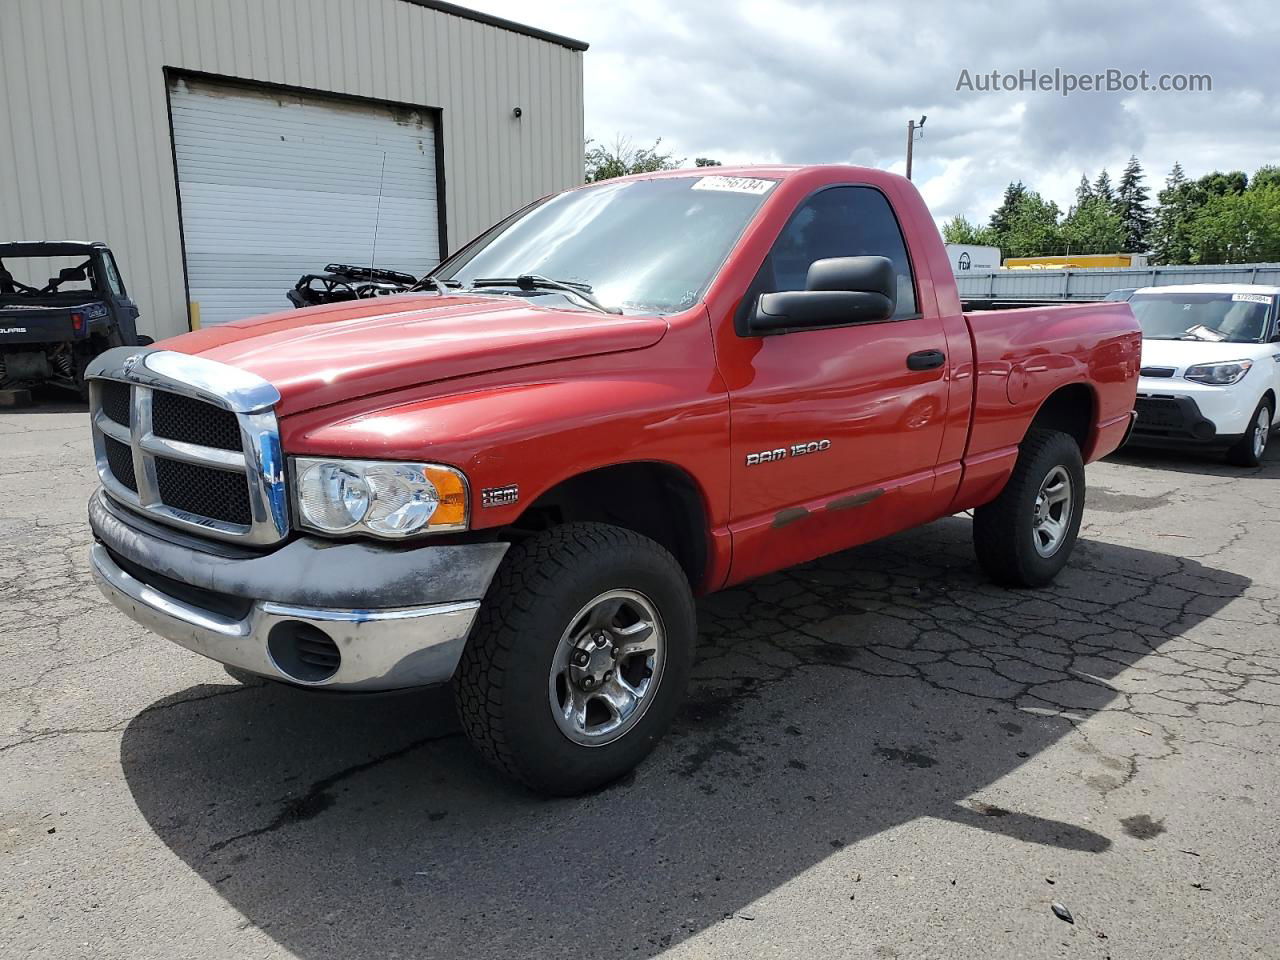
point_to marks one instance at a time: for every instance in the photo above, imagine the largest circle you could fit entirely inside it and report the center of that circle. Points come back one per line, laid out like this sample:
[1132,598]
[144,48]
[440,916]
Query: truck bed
[1022,355]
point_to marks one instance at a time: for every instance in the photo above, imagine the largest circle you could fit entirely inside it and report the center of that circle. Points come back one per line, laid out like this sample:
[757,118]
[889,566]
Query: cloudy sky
[827,82]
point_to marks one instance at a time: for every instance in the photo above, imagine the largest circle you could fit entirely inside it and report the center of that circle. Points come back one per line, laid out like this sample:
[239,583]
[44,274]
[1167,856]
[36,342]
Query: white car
[1210,367]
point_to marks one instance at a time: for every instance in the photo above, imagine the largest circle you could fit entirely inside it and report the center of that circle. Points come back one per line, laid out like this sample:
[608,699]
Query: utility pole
[912,127]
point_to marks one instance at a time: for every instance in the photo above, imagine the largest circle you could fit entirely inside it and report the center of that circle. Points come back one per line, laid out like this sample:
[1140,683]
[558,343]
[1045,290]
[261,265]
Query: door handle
[926,360]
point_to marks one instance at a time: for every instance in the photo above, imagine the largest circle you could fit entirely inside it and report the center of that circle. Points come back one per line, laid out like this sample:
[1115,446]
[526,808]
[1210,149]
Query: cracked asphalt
[883,756]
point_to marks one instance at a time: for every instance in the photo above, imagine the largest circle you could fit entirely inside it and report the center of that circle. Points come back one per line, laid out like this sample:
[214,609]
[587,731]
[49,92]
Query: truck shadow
[831,702]
[1211,463]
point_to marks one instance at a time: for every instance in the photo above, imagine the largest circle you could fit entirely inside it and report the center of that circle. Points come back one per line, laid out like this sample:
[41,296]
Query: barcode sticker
[735,184]
[1252,298]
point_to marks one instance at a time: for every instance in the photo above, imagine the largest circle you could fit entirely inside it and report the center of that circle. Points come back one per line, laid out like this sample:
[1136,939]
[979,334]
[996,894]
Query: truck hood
[344,351]
[1180,354]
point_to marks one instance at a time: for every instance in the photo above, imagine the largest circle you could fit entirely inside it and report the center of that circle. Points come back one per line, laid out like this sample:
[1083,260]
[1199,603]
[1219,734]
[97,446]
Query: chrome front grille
[189,442]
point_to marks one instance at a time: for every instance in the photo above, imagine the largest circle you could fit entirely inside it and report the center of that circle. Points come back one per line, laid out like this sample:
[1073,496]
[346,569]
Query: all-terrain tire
[501,683]
[1005,530]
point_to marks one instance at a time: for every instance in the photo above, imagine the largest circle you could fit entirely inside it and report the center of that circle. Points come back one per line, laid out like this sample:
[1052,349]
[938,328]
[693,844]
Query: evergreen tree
[1170,241]
[1131,202]
[1033,228]
[1102,188]
[1002,218]
[1084,190]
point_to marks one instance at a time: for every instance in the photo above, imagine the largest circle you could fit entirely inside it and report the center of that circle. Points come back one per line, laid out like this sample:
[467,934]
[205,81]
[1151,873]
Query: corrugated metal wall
[84,111]
[1094,283]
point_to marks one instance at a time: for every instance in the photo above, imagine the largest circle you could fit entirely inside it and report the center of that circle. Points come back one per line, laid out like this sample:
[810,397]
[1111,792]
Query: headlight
[1219,374]
[385,498]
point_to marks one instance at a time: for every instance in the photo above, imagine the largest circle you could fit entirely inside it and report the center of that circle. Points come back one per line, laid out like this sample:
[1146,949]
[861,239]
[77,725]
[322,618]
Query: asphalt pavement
[882,756]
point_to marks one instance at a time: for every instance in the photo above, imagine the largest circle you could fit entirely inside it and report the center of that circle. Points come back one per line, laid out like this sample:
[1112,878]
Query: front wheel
[579,658]
[1025,536]
[1248,450]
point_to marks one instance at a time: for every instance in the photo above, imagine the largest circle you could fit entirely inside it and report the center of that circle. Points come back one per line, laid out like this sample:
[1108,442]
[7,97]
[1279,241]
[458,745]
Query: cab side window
[841,222]
[112,274]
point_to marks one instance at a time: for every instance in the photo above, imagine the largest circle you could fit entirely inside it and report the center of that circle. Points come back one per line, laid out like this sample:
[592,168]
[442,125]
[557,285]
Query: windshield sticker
[1252,298]
[735,184]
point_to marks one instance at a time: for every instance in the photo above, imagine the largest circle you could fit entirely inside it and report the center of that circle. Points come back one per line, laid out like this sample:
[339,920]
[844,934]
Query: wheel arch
[1071,409]
[654,498]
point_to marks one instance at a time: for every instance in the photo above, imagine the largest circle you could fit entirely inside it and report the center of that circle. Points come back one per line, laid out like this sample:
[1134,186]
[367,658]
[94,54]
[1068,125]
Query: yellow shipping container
[1075,261]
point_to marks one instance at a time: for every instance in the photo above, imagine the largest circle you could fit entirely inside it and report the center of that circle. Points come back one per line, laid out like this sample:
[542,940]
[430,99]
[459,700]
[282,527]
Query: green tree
[1179,201]
[959,229]
[1102,188]
[1218,184]
[1033,228]
[1092,227]
[1002,216]
[1131,204]
[1268,176]
[623,158]
[1237,227]
[1084,190]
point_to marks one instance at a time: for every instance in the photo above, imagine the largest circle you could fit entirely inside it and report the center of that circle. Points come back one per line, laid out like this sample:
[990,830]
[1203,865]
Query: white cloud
[829,82]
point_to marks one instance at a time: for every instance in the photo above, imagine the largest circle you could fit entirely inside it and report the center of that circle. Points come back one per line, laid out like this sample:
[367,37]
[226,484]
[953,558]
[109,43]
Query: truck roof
[49,248]
[774,171]
[1212,288]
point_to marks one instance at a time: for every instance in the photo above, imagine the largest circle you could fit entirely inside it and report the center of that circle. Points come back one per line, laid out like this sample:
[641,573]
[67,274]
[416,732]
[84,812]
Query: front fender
[654,405]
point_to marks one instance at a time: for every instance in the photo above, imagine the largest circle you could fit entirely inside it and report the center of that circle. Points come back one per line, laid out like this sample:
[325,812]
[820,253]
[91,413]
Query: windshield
[645,246]
[1226,317]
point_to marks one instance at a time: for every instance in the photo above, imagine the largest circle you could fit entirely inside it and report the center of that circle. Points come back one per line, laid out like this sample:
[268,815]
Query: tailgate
[46,324]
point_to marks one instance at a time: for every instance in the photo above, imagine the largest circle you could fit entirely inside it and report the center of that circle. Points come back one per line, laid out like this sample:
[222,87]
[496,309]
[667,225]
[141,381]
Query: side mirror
[838,291]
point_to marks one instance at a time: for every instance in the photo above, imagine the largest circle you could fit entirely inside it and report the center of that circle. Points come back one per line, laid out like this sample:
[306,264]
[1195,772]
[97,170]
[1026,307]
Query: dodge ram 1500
[517,477]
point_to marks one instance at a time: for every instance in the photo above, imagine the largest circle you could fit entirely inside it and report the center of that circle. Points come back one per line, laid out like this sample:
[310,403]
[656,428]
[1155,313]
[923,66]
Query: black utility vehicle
[51,329]
[341,281]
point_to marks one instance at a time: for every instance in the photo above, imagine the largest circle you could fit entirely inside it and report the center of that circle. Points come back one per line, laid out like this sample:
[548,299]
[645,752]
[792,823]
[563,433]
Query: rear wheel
[1250,448]
[579,657]
[1026,535]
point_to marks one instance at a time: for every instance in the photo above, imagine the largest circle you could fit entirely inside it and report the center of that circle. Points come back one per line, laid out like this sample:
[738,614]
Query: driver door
[835,433]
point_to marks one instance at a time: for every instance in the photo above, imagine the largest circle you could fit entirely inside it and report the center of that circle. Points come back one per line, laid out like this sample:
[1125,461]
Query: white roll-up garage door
[277,184]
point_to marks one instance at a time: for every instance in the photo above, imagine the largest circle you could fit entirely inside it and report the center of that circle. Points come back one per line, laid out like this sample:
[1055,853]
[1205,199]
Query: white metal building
[224,147]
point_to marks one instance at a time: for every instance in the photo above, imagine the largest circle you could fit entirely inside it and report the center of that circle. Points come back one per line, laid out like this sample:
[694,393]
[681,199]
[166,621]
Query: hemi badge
[500,496]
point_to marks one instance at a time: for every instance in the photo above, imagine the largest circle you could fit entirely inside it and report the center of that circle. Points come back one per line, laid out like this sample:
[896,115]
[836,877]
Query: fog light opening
[303,652]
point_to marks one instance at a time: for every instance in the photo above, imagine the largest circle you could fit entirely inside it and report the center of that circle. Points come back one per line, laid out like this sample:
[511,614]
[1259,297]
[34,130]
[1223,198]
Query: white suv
[1210,367]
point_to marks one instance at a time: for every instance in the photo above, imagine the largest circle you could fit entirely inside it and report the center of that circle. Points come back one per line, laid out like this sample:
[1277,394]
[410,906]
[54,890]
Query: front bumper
[1205,417]
[337,616]
[1171,419]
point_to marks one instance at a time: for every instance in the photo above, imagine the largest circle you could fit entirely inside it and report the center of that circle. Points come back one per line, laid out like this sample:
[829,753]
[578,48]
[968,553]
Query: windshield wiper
[533,281]
[435,283]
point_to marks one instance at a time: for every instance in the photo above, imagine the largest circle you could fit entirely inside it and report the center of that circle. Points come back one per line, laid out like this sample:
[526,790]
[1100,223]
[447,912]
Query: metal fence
[1095,283]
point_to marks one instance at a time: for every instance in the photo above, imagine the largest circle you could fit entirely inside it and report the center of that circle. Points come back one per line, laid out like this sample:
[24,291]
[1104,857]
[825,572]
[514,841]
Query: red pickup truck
[518,477]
